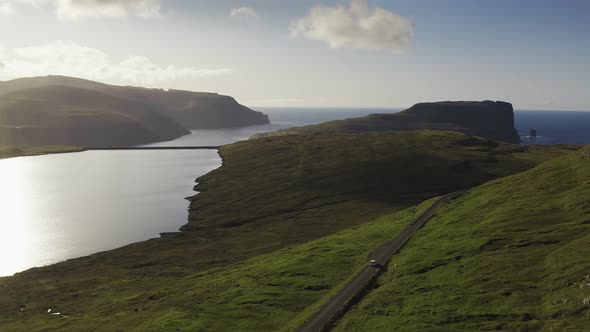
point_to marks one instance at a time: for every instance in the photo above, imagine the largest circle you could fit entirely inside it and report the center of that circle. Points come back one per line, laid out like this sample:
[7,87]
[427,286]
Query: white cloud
[356,26]
[73,10]
[71,59]
[244,12]
[82,9]
[6,8]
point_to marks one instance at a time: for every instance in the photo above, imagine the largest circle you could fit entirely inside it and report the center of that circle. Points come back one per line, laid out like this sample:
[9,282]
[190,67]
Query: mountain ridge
[165,114]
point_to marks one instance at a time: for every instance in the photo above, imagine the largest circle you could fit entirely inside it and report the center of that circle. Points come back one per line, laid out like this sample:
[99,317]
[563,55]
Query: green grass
[511,254]
[276,291]
[11,151]
[256,217]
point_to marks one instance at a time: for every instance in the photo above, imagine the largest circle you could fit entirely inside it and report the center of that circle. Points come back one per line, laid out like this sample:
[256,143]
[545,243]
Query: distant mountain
[489,119]
[58,110]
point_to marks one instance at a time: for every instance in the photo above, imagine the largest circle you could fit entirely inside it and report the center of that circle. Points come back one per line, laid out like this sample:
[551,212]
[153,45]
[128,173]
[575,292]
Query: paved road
[383,254]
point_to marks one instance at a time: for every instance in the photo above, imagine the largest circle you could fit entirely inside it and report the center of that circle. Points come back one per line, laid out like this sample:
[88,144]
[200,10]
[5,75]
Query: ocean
[554,127]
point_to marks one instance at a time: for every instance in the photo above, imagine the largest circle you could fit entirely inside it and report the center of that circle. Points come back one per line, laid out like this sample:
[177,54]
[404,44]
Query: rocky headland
[493,120]
[58,110]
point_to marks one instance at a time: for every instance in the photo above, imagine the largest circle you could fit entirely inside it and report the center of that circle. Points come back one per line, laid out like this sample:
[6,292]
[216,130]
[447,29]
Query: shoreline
[77,150]
[8,152]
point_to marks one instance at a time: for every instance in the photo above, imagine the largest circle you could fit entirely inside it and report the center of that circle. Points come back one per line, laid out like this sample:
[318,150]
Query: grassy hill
[245,258]
[509,255]
[57,115]
[58,110]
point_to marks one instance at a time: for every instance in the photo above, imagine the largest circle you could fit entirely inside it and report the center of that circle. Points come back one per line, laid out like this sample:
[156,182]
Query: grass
[511,255]
[256,216]
[276,291]
[11,151]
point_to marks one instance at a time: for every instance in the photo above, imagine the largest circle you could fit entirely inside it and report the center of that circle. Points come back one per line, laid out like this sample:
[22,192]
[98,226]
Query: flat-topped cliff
[490,119]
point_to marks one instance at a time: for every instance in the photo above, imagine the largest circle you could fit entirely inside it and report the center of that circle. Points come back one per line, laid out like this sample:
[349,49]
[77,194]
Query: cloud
[72,10]
[244,12]
[71,59]
[355,26]
[82,9]
[6,8]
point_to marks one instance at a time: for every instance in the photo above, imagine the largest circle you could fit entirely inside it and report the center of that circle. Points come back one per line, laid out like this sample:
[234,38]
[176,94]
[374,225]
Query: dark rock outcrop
[58,110]
[489,119]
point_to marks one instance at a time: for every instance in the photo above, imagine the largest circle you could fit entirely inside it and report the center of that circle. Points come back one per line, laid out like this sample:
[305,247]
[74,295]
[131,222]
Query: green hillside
[59,110]
[265,293]
[509,255]
[59,115]
[247,259]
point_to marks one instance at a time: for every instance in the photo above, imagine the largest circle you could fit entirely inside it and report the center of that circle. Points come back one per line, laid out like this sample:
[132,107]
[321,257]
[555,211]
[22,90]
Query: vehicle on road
[374,263]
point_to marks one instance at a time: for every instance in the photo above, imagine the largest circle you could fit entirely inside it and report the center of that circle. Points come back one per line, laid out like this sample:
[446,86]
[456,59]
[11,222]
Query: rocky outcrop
[58,110]
[489,119]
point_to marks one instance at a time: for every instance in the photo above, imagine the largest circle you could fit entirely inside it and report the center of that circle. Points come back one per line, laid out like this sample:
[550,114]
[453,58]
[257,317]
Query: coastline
[235,244]
[14,152]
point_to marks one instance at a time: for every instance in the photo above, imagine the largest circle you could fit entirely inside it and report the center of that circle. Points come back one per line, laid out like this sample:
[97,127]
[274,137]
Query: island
[59,110]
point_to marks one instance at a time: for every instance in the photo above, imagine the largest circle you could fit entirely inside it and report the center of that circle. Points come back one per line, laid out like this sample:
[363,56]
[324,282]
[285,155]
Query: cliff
[58,110]
[58,115]
[489,119]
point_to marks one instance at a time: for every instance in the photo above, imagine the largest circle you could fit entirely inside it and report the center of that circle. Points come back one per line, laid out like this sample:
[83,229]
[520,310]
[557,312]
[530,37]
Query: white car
[373,263]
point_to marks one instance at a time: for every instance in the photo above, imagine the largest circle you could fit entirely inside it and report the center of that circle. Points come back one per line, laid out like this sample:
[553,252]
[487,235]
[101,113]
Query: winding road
[331,310]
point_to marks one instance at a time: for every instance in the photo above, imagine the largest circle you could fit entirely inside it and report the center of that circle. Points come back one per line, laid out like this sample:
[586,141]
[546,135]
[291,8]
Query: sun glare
[16,238]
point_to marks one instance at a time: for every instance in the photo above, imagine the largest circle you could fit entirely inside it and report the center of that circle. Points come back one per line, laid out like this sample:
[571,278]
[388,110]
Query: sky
[312,53]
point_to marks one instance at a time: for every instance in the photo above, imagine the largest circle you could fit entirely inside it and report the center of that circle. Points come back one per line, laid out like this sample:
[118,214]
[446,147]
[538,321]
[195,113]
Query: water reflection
[13,249]
[63,206]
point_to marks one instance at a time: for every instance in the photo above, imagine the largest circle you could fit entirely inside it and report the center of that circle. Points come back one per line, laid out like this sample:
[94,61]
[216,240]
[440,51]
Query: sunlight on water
[57,207]
[16,233]
[33,214]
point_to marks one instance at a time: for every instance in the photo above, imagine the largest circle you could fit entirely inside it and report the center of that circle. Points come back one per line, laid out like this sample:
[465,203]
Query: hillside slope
[57,115]
[509,255]
[271,194]
[145,115]
[489,119]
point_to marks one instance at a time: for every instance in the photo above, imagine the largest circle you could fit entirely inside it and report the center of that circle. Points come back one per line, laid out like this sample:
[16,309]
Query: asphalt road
[382,255]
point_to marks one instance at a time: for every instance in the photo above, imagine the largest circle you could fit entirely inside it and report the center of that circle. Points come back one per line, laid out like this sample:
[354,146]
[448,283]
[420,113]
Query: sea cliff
[493,120]
[59,110]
